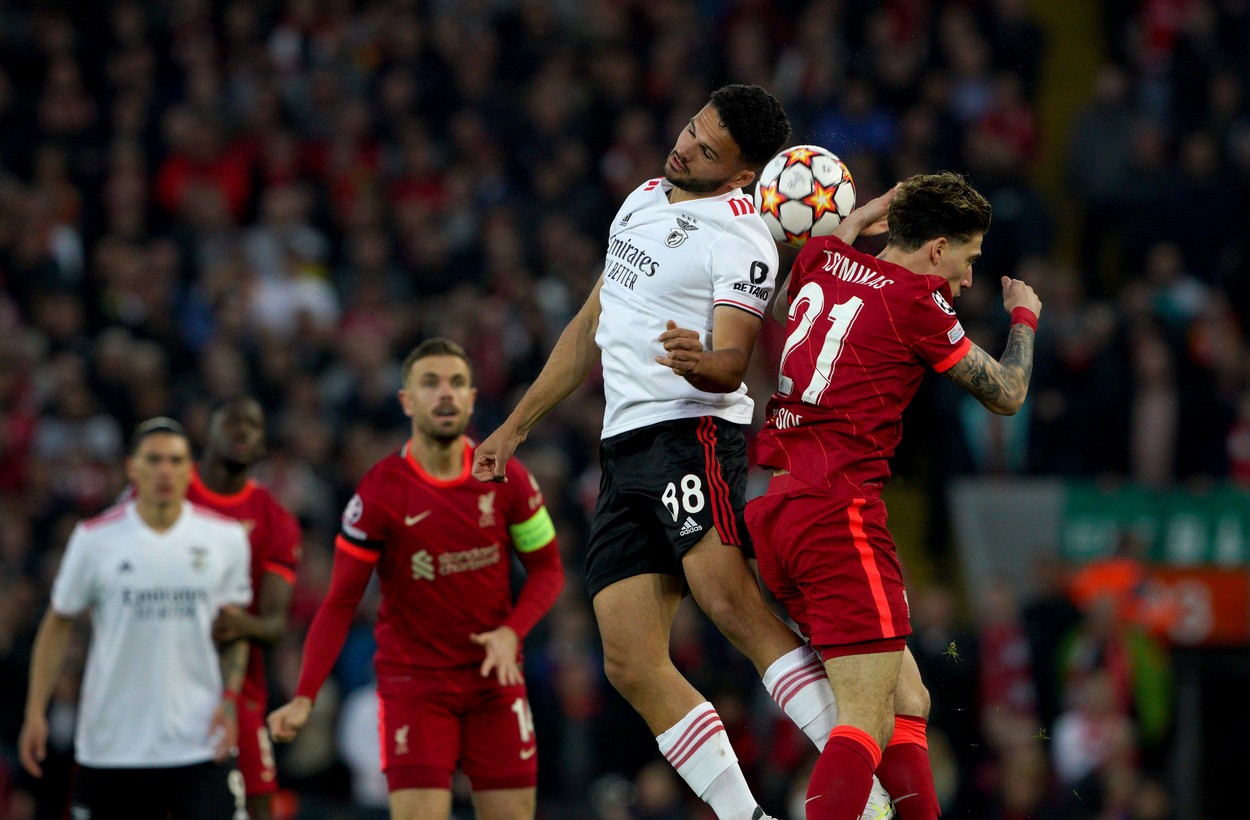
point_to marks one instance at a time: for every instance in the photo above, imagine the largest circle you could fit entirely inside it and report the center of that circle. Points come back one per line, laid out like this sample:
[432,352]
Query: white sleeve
[74,587]
[744,267]
[236,582]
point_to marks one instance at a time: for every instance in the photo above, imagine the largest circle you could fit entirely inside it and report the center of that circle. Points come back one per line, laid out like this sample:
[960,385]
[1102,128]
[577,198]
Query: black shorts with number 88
[663,488]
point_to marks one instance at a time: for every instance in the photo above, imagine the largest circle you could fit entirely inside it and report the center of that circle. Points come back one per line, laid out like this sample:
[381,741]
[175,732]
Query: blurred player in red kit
[448,632]
[862,333]
[220,482]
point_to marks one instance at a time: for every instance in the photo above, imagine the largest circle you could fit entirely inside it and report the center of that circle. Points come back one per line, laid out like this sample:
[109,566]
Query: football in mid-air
[802,192]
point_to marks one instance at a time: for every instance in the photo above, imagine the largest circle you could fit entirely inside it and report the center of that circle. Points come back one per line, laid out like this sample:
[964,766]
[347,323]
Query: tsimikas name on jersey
[851,271]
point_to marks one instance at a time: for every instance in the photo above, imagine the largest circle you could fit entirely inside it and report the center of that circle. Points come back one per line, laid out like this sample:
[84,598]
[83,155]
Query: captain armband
[534,533]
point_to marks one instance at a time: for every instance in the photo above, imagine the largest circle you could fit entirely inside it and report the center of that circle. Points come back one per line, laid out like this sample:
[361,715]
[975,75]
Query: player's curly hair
[755,120]
[927,206]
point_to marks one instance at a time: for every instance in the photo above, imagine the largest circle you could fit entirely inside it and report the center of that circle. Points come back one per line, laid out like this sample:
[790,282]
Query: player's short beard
[694,185]
[446,436]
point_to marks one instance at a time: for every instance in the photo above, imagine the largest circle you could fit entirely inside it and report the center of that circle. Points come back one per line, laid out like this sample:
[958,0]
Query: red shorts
[831,563]
[260,776]
[433,721]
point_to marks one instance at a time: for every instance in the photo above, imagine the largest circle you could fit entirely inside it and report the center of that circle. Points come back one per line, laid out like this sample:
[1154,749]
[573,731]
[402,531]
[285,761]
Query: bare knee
[912,700]
[865,688]
[910,695]
[625,672]
[505,804]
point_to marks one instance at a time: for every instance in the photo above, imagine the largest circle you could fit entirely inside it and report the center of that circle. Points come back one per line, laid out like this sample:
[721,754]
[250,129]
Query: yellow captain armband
[533,534]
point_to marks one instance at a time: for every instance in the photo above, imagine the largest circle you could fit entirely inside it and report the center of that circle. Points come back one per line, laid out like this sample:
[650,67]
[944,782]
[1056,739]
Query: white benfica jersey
[676,261]
[153,676]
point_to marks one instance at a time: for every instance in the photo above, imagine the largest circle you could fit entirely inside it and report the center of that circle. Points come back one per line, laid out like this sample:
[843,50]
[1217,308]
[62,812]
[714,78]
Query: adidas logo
[690,527]
[125,567]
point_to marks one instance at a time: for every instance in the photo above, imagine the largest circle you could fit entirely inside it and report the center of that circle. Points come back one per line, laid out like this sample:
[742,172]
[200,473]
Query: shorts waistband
[786,482]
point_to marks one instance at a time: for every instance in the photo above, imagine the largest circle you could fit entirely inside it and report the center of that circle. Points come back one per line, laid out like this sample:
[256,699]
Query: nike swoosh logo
[810,799]
[526,754]
[904,797]
[412,519]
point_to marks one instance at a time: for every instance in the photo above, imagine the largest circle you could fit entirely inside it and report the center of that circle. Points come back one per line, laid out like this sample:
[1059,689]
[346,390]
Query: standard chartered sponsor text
[450,563]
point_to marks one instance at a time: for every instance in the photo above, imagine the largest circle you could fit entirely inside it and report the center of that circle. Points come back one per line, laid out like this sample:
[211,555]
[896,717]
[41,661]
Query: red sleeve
[543,582]
[329,628]
[937,336]
[544,572]
[284,548]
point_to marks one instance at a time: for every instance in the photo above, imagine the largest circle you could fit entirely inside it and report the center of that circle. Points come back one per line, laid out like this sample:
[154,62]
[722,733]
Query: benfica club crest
[681,233]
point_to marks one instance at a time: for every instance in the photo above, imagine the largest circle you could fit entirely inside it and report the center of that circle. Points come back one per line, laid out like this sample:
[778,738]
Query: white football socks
[798,683]
[699,750]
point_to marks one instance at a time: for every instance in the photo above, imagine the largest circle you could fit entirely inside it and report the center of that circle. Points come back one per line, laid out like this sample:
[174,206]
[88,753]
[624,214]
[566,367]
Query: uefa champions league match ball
[802,192]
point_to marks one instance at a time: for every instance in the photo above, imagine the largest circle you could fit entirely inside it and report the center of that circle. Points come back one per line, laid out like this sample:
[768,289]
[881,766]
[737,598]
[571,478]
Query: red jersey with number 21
[861,335]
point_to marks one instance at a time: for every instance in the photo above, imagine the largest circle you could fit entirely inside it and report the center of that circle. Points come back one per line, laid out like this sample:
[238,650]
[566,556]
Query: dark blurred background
[200,198]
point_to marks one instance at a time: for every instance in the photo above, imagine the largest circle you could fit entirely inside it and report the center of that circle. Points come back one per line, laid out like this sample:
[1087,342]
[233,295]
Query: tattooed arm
[233,657]
[1002,385]
[225,725]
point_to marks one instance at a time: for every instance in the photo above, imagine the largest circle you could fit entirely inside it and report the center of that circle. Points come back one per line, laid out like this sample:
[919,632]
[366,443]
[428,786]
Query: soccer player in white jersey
[156,725]
[689,271]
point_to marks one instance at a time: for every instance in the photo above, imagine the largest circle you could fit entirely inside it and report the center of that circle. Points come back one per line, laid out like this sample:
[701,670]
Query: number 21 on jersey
[810,303]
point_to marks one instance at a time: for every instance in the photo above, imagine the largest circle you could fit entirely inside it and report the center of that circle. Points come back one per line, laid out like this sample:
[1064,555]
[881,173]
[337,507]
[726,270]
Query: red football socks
[842,778]
[904,771]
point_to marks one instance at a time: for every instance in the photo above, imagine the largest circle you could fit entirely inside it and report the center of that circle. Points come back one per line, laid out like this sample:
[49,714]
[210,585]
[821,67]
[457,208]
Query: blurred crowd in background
[201,199]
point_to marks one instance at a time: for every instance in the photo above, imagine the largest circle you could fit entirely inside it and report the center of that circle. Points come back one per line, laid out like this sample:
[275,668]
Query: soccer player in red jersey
[863,331]
[236,441]
[688,273]
[448,632]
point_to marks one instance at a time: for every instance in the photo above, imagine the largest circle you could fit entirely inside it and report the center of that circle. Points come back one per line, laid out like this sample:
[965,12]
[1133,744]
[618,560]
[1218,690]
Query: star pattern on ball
[800,156]
[820,200]
[796,239]
[770,201]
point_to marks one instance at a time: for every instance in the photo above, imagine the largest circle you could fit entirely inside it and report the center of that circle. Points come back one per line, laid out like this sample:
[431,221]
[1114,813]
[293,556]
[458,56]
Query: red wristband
[1024,316]
[233,697]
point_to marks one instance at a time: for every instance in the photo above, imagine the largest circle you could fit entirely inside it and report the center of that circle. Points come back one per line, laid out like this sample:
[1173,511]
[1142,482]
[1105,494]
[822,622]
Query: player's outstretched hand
[32,744]
[225,730]
[869,219]
[682,347]
[490,459]
[1018,294]
[286,721]
[501,647]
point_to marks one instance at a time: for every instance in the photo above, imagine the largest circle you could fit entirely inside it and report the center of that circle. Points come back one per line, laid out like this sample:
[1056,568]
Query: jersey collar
[465,469]
[220,498]
[184,514]
[662,191]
